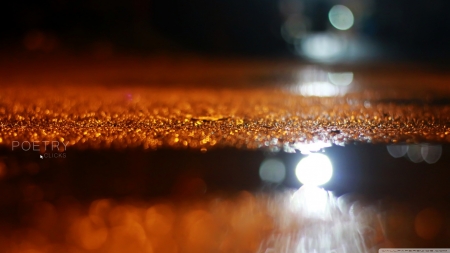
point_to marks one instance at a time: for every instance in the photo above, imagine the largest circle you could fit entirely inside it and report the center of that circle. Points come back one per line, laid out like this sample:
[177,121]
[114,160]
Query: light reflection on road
[309,219]
[313,220]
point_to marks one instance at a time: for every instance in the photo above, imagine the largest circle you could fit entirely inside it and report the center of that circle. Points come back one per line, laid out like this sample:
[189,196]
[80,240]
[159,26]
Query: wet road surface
[166,154]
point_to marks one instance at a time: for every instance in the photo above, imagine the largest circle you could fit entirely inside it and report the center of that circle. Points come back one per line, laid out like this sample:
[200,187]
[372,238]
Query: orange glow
[244,223]
[88,234]
[428,223]
[159,219]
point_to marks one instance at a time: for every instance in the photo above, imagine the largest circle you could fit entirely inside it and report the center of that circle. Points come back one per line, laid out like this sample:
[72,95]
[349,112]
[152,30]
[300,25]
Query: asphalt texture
[203,103]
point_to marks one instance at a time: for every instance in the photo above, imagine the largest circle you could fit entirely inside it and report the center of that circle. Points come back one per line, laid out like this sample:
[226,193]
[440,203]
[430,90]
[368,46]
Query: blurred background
[116,196]
[314,30]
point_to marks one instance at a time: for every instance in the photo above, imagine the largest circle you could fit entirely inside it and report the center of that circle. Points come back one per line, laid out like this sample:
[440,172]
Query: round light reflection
[272,170]
[341,17]
[431,153]
[315,169]
[341,79]
[397,151]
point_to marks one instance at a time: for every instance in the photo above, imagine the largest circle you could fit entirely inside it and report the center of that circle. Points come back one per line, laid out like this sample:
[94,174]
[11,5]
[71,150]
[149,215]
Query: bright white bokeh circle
[272,170]
[315,169]
[341,17]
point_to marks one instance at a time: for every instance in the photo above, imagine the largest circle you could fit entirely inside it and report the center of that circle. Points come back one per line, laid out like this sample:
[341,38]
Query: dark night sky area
[413,29]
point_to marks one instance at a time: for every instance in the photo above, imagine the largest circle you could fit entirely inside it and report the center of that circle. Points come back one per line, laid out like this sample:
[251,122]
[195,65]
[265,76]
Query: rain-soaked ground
[203,155]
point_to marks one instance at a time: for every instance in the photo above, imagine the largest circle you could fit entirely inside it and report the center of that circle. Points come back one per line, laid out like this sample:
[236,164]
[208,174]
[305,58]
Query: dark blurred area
[310,29]
[200,128]
[85,174]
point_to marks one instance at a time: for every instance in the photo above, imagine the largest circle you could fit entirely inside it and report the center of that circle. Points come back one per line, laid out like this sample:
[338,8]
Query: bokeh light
[341,78]
[341,17]
[315,169]
[316,82]
[414,153]
[431,153]
[322,46]
[428,223]
[319,89]
[310,219]
[272,170]
[397,151]
[294,28]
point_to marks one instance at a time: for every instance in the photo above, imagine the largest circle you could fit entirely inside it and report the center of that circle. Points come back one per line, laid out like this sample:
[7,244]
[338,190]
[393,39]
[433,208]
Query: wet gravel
[203,104]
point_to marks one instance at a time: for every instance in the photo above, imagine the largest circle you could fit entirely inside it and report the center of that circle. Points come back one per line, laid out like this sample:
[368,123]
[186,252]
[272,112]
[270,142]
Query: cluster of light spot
[310,219]
[430,153]
[106,226]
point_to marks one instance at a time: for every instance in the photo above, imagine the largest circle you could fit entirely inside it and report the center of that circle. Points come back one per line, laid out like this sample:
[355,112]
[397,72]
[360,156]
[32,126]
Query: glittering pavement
[202,104]
[134,180]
